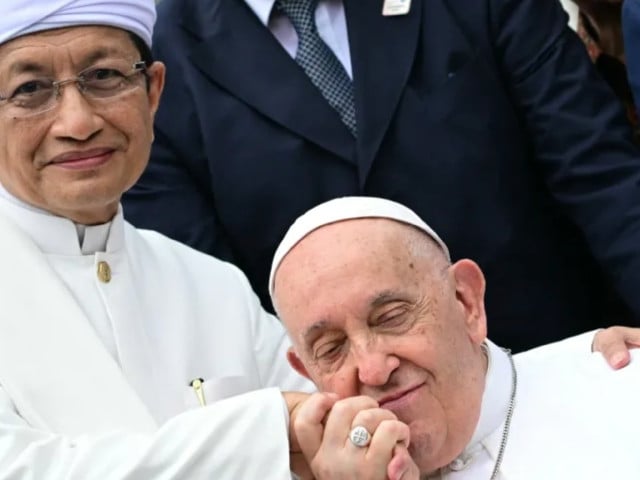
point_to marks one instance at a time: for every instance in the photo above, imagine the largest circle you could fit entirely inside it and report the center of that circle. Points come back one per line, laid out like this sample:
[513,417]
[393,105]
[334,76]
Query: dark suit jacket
[484,116]
[631,30]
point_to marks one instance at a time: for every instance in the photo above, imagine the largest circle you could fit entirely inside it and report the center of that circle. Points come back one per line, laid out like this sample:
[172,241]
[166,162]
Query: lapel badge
[391,8]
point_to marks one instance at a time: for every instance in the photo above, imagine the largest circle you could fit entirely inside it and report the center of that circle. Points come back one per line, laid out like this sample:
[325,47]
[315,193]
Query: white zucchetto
[347,208]
[21,17]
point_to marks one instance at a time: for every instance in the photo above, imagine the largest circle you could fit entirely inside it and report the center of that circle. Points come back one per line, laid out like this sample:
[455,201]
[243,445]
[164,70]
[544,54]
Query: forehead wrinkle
[102,53]
[45,53]
[24,63]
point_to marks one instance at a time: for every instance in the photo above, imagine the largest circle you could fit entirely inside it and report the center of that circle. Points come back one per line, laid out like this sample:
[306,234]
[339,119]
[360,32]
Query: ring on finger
[359,436]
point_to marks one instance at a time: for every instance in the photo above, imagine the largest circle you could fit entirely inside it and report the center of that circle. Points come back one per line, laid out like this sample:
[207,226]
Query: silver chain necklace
[507,422]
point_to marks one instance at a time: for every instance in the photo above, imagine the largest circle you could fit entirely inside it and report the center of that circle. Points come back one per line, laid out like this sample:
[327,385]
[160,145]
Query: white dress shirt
[330,20]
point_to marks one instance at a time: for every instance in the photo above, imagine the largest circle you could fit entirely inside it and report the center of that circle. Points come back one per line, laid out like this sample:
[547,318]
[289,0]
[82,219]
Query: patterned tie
[318,61]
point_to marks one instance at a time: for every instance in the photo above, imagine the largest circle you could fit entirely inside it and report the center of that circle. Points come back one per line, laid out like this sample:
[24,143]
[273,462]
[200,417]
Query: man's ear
[156,74]
[296,363]
[470,288]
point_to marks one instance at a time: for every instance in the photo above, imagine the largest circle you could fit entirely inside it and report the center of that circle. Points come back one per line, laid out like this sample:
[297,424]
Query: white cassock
[95,371]
[574,418]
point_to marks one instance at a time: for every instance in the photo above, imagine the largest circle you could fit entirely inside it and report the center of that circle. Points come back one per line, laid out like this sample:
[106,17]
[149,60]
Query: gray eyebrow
[26,66]
[29,66]
[313,329]
[385,297]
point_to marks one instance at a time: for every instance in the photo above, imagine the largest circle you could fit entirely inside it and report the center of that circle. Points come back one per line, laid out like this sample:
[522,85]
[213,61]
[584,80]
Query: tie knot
[300,12]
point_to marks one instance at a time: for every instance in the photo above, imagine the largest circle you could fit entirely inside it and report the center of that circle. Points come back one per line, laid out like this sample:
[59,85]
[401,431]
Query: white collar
[262,9]
[59,235]
[495,403]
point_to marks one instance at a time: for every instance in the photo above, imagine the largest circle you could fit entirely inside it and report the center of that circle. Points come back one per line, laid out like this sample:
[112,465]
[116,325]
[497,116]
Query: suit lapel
[55,369]
[382,54]
[238,53]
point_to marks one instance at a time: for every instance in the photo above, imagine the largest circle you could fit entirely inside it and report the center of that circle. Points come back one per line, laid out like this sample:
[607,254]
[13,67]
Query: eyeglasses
[40,95]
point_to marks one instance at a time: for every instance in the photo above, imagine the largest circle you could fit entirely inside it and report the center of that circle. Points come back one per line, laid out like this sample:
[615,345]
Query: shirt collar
[262,9]
[495,402]
[497,392]
[59,235]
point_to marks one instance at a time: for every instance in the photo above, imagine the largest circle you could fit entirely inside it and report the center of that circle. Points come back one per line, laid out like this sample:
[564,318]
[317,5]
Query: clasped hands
[321,447]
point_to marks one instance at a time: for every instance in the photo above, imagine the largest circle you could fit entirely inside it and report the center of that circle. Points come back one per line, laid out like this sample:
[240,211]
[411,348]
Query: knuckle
[366,418]
[362,402]
[299,423]
[384,414]
[372,417]
[342,408]
[349,406]
[393,428]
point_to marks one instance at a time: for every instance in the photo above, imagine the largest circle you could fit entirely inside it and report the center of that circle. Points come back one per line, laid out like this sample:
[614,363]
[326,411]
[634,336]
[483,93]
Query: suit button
[104,272]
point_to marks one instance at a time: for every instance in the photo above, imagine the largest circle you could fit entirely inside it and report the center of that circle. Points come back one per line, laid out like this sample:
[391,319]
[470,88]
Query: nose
[375,364]
[75,117]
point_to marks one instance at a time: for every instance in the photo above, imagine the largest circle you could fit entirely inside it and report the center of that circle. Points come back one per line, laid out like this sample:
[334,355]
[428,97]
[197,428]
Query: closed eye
[395,315]
[328,351]
[395,320]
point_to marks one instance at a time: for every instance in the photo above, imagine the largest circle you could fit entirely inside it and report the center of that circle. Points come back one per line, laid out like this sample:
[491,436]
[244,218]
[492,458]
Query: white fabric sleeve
[578,344]
[243,437]
[271,343]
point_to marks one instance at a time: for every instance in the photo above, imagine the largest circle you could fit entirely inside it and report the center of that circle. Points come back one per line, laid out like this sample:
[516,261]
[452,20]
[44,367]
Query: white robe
[574,418]
[94,376]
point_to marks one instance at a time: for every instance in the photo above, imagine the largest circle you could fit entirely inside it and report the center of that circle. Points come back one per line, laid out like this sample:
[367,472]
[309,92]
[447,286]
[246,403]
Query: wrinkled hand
[614,343]
[322,427]
[297,462]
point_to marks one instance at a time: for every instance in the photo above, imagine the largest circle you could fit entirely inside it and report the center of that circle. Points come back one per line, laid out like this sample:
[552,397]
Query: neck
[89,218]
[87,215]
[496,392]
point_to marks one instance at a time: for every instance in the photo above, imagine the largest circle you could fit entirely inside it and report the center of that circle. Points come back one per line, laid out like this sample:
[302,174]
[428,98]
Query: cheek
[338,382]
[30,139]
[131,117]
[17,157]
[138,130]
[136,125]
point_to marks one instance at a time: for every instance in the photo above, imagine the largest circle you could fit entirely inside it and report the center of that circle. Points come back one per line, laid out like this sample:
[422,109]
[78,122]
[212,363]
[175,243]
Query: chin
[427,447]
[90,208]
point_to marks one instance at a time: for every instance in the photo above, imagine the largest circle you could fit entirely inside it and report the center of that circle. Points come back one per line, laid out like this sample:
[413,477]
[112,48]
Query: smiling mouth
[396,401]
[83,160]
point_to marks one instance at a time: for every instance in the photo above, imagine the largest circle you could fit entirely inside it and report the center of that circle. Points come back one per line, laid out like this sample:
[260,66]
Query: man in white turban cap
[123,354]
[379,315]
[21,17]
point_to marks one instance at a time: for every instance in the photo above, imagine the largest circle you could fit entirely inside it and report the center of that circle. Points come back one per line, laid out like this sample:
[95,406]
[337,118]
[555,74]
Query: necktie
[318,61]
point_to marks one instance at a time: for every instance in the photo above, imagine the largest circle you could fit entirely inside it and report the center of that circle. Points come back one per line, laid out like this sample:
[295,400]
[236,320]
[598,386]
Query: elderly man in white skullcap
[379,315]
[119,348]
